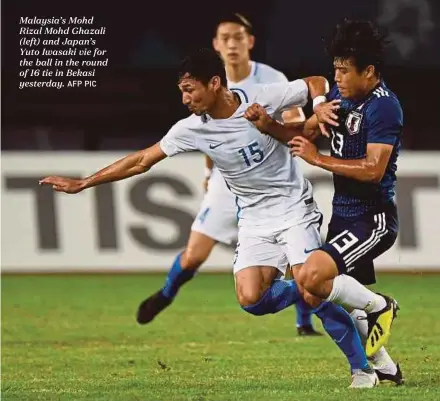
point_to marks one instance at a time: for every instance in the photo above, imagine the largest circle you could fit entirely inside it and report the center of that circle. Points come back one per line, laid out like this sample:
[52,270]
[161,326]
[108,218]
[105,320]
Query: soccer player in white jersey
[278,218]
[216,220]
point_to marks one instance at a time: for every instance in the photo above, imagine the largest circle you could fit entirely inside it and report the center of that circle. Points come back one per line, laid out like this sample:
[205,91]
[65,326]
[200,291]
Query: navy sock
[303,314]
[176,278]
[340,326]
[279,296]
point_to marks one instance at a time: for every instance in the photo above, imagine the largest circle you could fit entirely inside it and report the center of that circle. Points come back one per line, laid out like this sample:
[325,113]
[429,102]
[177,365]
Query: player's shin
[339,325]
[177,276]
[280,295]
[348,291]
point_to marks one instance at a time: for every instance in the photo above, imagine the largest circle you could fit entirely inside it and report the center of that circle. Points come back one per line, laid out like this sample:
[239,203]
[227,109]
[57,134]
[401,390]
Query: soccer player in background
[278,218]
[364,151]
[216,220]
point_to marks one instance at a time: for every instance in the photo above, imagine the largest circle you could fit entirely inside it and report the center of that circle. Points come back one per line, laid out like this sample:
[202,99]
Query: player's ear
[215,44]
[251,41]
[215,83]
[370,71]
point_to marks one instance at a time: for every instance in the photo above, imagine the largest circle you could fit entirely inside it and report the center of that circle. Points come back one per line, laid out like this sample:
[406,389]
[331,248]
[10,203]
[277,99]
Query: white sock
[360,321]
[381,360]
[348,291]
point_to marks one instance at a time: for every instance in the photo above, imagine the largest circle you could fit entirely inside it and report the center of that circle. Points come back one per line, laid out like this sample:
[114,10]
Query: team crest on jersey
[353,122]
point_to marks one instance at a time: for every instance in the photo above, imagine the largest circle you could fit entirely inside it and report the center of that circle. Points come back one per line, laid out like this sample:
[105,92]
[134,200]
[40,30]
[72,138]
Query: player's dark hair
[361,41]
[235,18]
[203,65]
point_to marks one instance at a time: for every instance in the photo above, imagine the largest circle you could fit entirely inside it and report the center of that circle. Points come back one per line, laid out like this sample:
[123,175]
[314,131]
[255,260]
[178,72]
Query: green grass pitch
[74,337]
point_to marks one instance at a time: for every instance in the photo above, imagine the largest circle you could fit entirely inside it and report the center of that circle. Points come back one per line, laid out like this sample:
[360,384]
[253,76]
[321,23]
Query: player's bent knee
[311,299]
[300,276]
[248,296]
[310,274]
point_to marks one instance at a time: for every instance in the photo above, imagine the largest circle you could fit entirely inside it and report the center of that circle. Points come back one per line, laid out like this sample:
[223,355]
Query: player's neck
[225,106]
[371,85]
[238,72]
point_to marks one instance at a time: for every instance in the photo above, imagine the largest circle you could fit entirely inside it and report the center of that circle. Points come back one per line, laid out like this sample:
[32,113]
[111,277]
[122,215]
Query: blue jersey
[378,118]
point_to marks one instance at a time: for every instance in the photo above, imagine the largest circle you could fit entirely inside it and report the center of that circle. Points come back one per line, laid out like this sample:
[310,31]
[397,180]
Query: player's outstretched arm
[293,115]
[383,124]
[258,116]
[131,165]
[368,169]
[318,86]
[279,97]
[325,111]
[281,132]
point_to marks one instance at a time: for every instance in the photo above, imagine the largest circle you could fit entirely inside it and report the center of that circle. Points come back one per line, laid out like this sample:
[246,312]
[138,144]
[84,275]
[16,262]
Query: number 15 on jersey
[252,153]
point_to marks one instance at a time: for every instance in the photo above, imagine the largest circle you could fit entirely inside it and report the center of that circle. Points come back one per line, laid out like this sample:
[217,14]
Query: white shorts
[278,248]
[217,217]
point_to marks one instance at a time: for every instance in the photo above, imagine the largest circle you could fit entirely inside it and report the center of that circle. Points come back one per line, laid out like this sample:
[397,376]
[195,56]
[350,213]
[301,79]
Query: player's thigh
[258,249]
[300,240]
[354,245]
[258,261]
[217,219]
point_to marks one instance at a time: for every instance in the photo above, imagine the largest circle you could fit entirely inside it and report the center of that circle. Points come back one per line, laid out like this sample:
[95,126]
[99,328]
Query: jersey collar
[242,97]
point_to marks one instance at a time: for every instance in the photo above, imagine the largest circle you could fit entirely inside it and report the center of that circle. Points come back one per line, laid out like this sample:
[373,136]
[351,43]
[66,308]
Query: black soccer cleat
[397,378]
[151,307]
[307,330]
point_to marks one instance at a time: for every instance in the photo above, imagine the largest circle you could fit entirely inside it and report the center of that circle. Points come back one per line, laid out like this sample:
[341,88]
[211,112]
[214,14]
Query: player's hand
[63,184]
[326,114]
[258,116]
[305,149]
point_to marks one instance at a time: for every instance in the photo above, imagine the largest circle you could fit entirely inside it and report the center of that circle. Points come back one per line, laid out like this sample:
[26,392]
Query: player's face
[199,98]
[233,43]
[351,83]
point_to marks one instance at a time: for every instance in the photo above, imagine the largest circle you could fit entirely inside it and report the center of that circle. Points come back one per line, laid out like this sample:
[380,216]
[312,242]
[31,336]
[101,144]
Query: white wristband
[208,172]
[318,100]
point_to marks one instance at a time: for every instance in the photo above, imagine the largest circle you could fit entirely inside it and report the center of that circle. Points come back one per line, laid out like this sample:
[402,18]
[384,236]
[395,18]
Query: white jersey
[259,170]
[260,74]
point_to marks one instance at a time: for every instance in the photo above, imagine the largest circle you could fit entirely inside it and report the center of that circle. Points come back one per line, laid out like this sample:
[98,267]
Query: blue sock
[279,296]
[340,326]
[303,314]
[176,278]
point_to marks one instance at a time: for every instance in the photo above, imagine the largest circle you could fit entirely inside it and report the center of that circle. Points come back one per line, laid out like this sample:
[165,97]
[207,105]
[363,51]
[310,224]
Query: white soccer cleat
[364,379]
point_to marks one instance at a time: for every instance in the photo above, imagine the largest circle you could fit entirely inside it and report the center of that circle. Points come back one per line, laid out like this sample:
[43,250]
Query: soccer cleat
[379,326]
[307,330]
[364,378]
[396,378]
[151,307]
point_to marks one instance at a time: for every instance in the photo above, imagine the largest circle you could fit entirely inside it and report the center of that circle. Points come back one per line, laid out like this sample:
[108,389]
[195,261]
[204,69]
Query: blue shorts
[354,243]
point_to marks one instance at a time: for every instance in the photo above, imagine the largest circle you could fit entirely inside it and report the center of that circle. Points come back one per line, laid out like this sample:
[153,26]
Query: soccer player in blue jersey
[365,145]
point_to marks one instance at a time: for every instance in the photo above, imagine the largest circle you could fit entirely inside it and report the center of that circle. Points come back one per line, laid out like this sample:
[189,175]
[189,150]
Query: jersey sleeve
[179,139]
[276,77]
[384,121]
[284,95]
[268,75]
